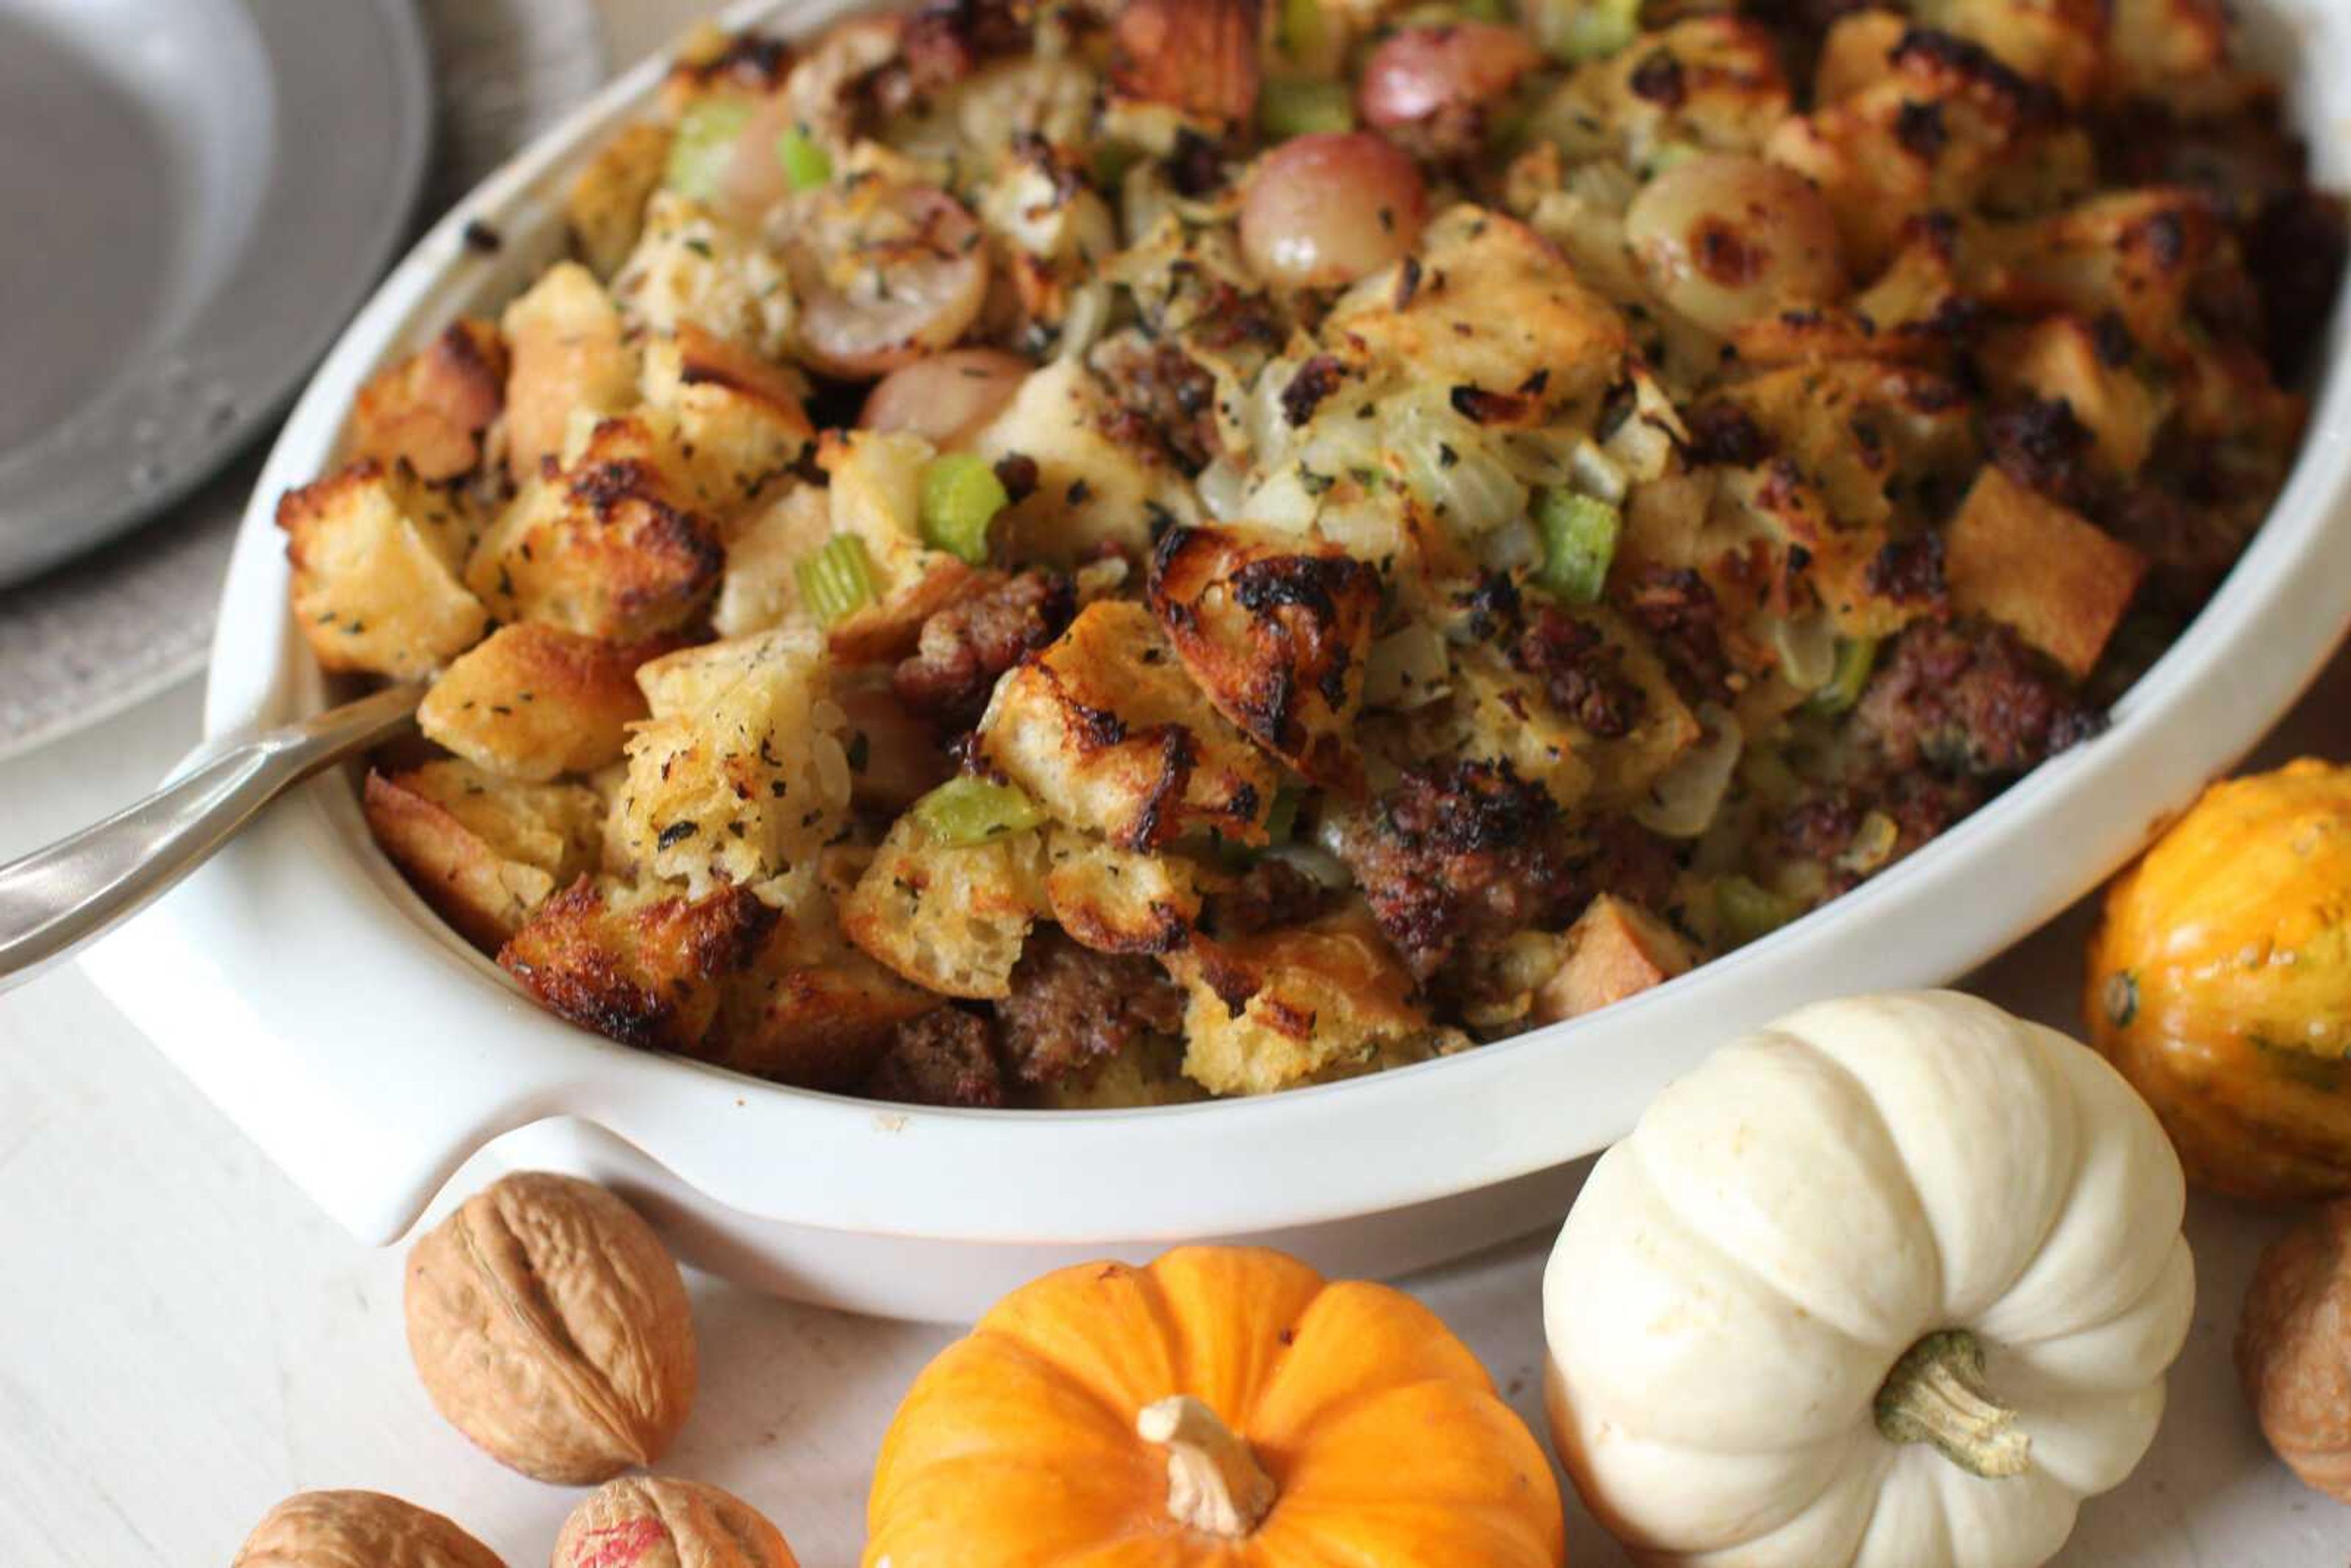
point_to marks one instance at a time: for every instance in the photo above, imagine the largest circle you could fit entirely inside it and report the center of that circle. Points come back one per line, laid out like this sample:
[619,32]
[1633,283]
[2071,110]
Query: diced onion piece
[837,580]
[1516,546]
[1685,798]
[1808,649]
[1407,669]
[1315,863]
[1749,910]
[961,497]
[1856,658]
[1290,107]
[1456,469]
[704,147]
[1224,488]
[1873,843]
[967,811]
[807,164]
[1324,210]
[1597,473]
[1580,536]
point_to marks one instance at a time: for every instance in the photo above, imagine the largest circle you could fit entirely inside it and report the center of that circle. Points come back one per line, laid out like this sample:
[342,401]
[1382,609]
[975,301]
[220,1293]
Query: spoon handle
[55,900]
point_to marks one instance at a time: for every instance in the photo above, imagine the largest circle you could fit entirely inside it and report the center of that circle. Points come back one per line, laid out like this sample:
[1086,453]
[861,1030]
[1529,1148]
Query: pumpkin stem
[1936,1394]
[1214,1483]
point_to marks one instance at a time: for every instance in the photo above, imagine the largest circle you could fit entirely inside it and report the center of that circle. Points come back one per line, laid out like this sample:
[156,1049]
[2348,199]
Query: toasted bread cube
[533,702]
[1090,490]
[1105,729]
[1856,52]
[762,589]
[741,775]
[1911,314]
[691,269]
[738,420]
[1616,950]
[1116,901]
[569,358]
[1293,1005]
[1496,714]
[1275,633]
[2060,42]
[1997,138]
[2062,584]
[811,1009]
[1729,89]
[611,547]
[950,918]
[2139,254]
[1498,310]
[876,491]
[482,851]
[1501,714]
[375,556]
[2176,53]
[606,204]
[2058,359]
[1863,431]
[431,410]
[638,965]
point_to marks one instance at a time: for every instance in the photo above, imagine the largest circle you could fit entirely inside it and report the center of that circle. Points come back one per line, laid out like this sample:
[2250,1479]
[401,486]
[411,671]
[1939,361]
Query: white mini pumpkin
[1891,1285]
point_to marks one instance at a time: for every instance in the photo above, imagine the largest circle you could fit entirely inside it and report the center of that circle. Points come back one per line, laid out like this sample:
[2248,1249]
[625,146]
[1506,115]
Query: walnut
[359,1530]
[651,1521]
[552,1327]
[2294,1349]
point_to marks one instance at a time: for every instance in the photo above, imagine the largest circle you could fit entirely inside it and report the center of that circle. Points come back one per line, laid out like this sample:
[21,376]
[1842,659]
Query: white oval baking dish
[304,988]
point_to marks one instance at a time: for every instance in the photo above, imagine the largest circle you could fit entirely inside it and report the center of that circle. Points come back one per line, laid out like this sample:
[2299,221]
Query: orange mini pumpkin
[1223,1406]
[2220,983]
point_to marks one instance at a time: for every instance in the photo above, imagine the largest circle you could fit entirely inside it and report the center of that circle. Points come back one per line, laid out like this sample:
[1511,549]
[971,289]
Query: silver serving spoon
[55,900]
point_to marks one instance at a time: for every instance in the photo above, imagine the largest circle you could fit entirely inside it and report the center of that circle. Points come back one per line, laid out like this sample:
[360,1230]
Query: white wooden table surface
[183,1340]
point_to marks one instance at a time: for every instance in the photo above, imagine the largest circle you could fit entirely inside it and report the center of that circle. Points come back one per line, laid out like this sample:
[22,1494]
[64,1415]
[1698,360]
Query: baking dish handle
[369,1112]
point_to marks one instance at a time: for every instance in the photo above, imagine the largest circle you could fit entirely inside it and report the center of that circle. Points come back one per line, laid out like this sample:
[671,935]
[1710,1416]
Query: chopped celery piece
[967,811]
[1856,658]
[703,146]
[806,164]
[1579,536]
[1749,910]
[961,496]
[1588,29]
[1305,31]
[837,580]
[1287,109]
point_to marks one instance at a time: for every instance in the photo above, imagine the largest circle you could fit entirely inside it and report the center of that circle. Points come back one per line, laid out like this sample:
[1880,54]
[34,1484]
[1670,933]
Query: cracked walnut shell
[359,1530]
[652,1522]
[550,1326]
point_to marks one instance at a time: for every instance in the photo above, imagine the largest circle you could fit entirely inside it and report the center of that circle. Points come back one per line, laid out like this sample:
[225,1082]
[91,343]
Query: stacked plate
[190,222]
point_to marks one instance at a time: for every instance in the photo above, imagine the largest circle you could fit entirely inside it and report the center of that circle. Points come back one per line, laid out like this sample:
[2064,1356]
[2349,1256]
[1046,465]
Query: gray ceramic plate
[194,194]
